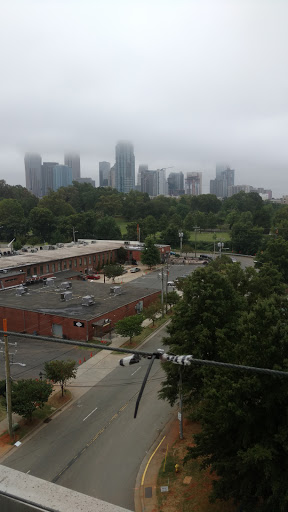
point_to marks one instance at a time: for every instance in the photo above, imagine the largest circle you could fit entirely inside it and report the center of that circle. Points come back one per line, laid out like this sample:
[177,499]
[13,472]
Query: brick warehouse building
[70,309]
[54,306]
[84,257]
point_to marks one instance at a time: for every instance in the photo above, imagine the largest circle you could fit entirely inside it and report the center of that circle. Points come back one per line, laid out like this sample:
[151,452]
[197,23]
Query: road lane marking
[90,413]
[83,450]
[147,465]
[135,371]
[27,472]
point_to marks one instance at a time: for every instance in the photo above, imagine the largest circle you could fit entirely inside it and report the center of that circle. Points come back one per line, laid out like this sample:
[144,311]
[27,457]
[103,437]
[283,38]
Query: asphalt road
[95,446]
[34,354]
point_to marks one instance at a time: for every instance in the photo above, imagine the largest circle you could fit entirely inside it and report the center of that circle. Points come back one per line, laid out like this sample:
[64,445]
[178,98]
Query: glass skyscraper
[125,167]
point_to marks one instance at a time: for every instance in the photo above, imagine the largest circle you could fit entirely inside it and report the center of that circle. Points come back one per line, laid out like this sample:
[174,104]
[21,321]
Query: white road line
[135,371]
[90,413]
[27,472]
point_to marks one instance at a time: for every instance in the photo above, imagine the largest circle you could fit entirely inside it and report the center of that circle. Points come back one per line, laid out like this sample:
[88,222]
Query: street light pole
[196,230]
[181,239]
[8,381]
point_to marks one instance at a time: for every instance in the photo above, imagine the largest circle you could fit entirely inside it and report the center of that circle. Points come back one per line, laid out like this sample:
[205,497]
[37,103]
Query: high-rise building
[112,176]
[148,182]
[62,176]
[47,177]
[125,167]
[176,184]
[162,185]
[72,160]
[104,174]
[223,182]
[33,163]
[193,183]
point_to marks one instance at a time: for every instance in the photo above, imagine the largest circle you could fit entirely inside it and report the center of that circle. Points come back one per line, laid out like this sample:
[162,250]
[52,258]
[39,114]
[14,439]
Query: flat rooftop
[47,299]
[67,251]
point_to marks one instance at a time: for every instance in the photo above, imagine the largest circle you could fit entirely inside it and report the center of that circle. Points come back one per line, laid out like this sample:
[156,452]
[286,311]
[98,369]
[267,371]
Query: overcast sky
[189,82]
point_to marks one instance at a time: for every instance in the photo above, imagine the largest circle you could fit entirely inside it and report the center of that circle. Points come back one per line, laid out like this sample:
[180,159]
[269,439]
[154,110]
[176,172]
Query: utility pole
[196,230]
[8,381]
[180,413]
[214,240]
[181,238]
[162,291]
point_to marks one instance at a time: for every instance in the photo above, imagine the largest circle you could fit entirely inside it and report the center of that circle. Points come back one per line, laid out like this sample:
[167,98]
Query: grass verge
[137,340]
[188,490]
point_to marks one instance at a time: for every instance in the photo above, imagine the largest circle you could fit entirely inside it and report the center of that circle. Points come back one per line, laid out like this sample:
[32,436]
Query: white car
[170,283]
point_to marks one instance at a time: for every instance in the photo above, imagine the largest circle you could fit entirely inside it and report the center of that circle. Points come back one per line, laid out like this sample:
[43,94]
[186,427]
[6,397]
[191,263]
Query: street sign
[179,416]
[164,488]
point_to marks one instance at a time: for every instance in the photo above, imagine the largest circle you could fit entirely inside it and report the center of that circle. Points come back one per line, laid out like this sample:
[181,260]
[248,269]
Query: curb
[139,499]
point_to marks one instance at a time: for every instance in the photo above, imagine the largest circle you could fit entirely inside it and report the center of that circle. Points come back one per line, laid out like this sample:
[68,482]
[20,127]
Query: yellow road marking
[147,465]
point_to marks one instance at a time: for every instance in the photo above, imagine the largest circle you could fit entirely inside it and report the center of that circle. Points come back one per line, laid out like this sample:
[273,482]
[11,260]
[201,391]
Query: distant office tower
[62,176]
[153,182]
[32,163]
[72,160]
[162,185]
[125,167]
[112,176]
[104,174]
[223,182]
[193,183]
[235,189]
[148,181]
[176,184]
[86,180]
[47,177]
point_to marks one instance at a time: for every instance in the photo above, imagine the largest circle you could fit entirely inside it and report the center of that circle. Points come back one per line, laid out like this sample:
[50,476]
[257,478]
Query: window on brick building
[53,267]
[75,262]
[35,271]
[64,265]
[70,263]
[47,268]
[80,262]
[41,269]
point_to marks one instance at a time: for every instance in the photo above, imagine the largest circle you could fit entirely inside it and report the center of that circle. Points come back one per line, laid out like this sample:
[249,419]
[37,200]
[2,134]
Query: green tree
[276,254]
[107,229]
[112,271]
[60,372]
[244,434]
[12,219]
[152,311]
[129,326]
[172,298]
[42,223]
[150,255]
[28,395]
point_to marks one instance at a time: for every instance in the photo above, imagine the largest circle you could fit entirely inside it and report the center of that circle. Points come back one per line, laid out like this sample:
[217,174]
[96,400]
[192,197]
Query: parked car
[93,276]
[136,269]
[170,283]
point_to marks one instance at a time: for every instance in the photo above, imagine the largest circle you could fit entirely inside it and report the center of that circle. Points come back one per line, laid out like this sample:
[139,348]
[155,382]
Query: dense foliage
[28,395]
[239,316]
[90,212]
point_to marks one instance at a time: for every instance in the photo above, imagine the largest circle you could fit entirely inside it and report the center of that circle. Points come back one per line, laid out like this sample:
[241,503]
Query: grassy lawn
[122,223]
[208,237]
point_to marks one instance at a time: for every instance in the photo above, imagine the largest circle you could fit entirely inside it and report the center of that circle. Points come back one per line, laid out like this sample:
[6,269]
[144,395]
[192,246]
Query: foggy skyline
[189,83]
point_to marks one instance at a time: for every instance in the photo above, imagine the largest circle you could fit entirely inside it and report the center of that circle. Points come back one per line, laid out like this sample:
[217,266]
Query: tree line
[239,316]
[91,212]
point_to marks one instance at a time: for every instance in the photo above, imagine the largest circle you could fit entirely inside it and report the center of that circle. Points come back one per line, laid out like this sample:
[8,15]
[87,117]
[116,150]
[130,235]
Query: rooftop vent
[65,296]
[66,285]
[21,290]
[88,300]
[115,290]
[49,281]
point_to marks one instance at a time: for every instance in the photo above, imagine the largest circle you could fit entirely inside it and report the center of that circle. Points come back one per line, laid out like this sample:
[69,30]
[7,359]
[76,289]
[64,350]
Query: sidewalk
[145,496]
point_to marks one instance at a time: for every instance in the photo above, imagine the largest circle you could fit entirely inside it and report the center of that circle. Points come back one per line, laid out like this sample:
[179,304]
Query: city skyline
[211,88]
